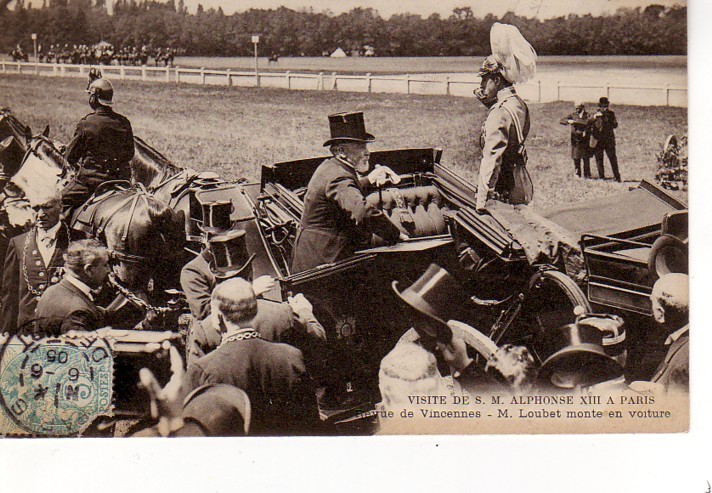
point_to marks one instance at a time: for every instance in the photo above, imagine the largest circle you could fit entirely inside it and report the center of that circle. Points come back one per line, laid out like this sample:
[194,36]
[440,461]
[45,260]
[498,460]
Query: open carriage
[522,274]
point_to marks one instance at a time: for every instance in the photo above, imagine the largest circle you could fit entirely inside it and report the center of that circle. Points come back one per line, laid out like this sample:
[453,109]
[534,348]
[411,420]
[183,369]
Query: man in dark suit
[224,257]
[273,374]
[69,305]
[603,123]
[580,135]
[32,263]
[337,220]
[671,303]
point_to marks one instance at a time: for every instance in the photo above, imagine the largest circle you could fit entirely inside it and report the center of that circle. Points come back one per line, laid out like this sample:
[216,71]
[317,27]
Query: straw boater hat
[348,127]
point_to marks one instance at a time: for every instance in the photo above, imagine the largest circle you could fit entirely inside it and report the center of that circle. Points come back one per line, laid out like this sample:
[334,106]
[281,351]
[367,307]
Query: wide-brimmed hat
[220,409]
[216,216]
[435,294]
[580,359]
[228,255]
[348,127]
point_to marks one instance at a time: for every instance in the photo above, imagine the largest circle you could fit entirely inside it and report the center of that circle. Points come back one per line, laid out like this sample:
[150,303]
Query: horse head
[14,136]
[149,167]
[42,170]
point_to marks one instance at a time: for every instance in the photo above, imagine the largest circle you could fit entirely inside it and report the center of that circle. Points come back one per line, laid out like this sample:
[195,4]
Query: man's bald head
[671,300]
[235,300]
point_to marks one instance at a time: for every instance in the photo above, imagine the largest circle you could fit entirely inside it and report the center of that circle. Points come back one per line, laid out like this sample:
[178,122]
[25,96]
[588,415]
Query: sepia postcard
[287,218]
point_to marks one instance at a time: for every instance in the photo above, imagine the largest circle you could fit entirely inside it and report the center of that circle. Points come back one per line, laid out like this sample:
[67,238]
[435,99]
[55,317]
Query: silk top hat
[227,254]
[580,359]
[435,295]
[216,216]
[348,127]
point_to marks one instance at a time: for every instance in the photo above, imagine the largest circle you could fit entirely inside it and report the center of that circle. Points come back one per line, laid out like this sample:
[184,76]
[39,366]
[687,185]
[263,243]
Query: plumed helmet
[103,90]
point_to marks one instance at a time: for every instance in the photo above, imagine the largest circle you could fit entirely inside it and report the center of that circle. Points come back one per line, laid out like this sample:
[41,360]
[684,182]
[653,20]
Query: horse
[144,235]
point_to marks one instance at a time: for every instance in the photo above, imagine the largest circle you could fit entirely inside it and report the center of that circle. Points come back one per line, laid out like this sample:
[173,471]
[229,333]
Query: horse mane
[44,147]
[149,166]
[13,126]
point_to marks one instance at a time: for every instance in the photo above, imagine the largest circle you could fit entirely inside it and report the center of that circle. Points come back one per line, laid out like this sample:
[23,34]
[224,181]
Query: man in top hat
[224,257]
[603,123]
[273,375]
[102,146]
[32,263]
[337,220]
[70,304]
[671,302]
[580,135]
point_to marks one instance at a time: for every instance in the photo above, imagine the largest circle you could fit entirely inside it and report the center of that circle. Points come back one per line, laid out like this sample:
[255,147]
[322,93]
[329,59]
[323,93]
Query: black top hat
[216,216]
[603,101]
[580,359]
[435,295]
[348,126]
[228,255]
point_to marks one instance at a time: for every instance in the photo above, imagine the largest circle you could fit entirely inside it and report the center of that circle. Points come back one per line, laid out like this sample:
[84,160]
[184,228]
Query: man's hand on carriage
[263,284]
[166,402]
[382,175]
[304,310]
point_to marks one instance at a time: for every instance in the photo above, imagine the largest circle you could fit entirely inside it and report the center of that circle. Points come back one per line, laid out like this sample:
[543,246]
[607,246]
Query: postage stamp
[54,386]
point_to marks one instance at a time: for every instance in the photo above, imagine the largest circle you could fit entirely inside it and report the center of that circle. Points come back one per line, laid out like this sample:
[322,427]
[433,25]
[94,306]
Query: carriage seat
[417,211]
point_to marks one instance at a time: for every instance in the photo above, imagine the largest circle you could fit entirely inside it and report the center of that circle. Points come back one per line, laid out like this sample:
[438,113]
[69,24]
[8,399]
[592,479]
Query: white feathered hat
[512,55]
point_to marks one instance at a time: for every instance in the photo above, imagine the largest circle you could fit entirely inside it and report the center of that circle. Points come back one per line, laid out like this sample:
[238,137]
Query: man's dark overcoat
[274,377]
[65,307]
[336,220]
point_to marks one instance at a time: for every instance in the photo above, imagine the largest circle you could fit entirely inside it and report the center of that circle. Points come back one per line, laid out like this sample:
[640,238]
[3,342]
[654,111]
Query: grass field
[235,130]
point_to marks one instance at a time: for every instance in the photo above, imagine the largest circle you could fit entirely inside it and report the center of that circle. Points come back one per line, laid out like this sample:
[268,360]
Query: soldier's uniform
[26,276]
[102,146]
[500,139]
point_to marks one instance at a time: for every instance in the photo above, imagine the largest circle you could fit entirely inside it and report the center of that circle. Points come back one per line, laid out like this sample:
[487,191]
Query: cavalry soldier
[32,264]
[337,220]
[502,173]
[580,134]
[102,146]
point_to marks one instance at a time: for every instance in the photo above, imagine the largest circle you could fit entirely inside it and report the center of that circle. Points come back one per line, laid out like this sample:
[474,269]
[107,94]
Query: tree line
[653,30]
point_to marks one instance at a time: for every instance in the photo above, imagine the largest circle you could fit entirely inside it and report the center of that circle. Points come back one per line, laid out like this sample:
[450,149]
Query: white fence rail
[401,84]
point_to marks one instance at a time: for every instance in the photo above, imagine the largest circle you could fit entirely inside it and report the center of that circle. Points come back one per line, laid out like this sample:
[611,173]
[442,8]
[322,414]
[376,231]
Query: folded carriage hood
[637,208]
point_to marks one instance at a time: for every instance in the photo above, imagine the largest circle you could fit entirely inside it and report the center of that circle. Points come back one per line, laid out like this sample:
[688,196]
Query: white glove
[263,284]
[300,305]
[381,175]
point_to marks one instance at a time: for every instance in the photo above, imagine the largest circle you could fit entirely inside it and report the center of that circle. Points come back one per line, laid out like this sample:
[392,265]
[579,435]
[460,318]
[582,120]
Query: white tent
[338,53]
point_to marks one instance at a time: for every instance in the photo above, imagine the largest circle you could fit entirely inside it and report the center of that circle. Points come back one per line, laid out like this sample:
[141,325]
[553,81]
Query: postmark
[54,386]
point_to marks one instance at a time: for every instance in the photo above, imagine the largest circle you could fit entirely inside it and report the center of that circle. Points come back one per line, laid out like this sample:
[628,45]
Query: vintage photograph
[321,218]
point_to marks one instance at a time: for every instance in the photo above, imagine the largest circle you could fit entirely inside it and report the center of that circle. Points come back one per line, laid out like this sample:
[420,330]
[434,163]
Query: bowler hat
[227,254]
[434,294]
[603,101]
[348,127]
[221,409]
[216,215]
[580,359]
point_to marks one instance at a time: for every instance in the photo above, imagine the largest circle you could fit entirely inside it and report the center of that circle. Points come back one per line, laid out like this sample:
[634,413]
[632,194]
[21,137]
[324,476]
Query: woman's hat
[216,216]
[434,294]
[580,359]
[348,127]
[228,255]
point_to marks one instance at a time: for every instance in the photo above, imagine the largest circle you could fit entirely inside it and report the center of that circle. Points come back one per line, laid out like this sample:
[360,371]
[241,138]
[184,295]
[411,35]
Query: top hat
[434,295]
[580,360]
[603,101]
[216,216]
[228,255]
[220,409]
[349,127]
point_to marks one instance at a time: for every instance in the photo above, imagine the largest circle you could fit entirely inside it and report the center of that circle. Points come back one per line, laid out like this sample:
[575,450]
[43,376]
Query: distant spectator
[580,136]
[603,123]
